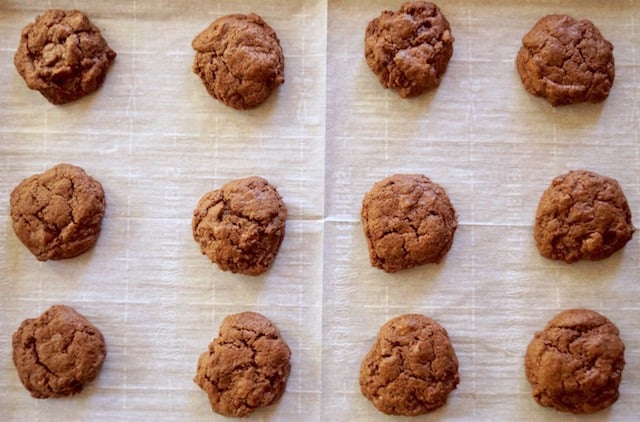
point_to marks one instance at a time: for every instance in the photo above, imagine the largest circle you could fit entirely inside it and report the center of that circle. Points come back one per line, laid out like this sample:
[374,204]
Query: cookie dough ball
[575,364]
[240,226]
[57,353]
[63,56]
[239,60]
[582,215]
[411,368]
[566,61]
[408,220]
[246,366]
[409,50]
[58,214]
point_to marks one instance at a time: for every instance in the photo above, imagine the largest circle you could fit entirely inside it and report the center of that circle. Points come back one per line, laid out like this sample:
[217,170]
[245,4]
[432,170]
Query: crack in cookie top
[57,353]
[408,220]
[575,364]
[246,367]
[582,215]
[411,368]
[241,225]
[239,60]
[58,214]
[63,56]
[409,50]
[566,61]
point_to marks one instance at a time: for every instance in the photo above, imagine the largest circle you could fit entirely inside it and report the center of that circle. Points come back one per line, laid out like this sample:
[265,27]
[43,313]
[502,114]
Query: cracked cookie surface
[58,214]
[409,50]
[575,364]
[63,56]
[240,226]
[246,367]
[57,353]
[582,215]
[239,60]
[411,368]
[408,220]
[566,61]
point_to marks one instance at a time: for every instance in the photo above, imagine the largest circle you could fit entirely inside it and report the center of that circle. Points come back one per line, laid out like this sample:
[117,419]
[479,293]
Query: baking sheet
[157,142]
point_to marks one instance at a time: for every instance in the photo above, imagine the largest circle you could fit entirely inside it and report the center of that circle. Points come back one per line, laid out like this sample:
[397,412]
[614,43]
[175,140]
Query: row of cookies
[562,59]
[58,214]
[245,368]
[574,365]
[240,61]
[64,56]
[407,219]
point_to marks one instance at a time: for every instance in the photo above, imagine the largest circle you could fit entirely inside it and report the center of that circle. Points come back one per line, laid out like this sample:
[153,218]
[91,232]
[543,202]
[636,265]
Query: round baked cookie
[63,56]
[575,364]
[566,61]
[411,368]
[409,50]
[582,215]
[239,60]
[240,226]
[57,353]
[246,367]
[408,220]
[58,214]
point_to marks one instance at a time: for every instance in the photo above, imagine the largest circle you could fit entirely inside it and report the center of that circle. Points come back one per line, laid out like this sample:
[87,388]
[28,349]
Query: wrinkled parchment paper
[157,142]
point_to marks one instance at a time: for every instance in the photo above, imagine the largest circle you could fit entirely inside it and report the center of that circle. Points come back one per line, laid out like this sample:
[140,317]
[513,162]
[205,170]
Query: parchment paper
[157,142]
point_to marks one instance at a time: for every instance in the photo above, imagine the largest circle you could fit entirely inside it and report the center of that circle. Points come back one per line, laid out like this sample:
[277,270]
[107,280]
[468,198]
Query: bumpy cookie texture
[246,366]
[411,368]
[408,220]
[566,61]
[58,214]
[409,50]
[582,215]
[63,56]
[240,226]
[575,364]
[239,60]
[57,353]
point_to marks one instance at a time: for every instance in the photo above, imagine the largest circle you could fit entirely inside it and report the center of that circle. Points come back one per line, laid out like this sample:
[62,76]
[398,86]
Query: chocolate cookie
[239,59]
[566,61]
[411,368]
[240,226]
[408,220]
[63,55]
[58,214]
[57,353]
[575,364]
[409,50]
[246,366]
[582,215]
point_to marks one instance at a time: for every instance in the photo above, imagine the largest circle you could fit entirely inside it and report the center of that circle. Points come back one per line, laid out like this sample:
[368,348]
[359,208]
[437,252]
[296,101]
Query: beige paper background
[157,142]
